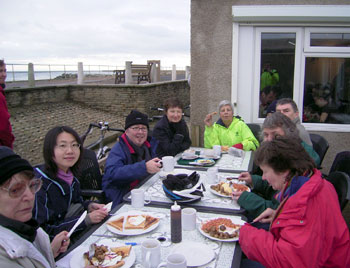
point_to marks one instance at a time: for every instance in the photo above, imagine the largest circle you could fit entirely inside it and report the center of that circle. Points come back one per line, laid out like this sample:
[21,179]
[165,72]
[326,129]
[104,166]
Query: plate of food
[107,254]
[220,229]
[203,162]
[132,223]
[222,189]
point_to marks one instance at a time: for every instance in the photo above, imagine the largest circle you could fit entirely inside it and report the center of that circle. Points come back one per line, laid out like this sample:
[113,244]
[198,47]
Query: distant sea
[44,75]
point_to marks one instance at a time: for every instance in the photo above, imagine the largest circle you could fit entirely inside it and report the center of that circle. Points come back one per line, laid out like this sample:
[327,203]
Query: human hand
[267,216]
[97,215]
[94,206]
[153,165]
[208,120]
[236,195]
[245,176]
[60,243]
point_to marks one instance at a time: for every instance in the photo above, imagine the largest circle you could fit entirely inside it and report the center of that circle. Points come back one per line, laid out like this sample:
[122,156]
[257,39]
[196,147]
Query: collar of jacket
[296,120]
[132,151]
[221,123]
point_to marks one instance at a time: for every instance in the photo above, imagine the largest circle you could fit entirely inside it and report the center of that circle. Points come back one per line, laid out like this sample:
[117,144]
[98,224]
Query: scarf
[26,230]
[67,177]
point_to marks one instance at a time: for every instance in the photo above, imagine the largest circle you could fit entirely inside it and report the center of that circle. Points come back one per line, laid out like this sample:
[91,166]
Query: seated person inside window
[322,106]
[229,130]
[262,195]
[171,130]
[59,204]
[268,97]
[23,243]
[307,229]
[131,160]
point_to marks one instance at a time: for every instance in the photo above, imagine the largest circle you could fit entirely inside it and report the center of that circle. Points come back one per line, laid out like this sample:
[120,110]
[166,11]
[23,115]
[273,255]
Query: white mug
[138,198]
[217,150]
[212,175]
[168,163]
[189,218]
[174,260]
[150,250]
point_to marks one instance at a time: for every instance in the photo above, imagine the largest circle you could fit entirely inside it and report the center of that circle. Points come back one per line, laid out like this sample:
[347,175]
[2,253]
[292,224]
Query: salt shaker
[175,223]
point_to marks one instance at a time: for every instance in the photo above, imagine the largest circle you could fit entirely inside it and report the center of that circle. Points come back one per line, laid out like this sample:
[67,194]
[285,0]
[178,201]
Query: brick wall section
[36,110]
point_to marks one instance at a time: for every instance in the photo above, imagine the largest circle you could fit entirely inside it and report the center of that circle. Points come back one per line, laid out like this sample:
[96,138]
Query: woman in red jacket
[307,229]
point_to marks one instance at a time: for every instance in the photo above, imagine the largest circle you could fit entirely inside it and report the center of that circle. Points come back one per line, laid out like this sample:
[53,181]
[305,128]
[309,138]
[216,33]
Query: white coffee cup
[150,250]
[217,150]
[168,163]
[138,198]
[212,175]
[189,217]
[174,260]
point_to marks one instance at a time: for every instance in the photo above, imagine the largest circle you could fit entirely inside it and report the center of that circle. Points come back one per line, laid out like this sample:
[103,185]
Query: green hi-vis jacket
[237,132]
[262,196]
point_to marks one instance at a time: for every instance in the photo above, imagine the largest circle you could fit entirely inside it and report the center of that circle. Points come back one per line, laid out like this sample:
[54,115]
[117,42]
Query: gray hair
[288,101]
[280,120]
[224,103]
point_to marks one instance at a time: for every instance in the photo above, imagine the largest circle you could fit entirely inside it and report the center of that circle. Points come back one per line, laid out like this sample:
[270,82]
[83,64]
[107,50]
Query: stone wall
[119,99]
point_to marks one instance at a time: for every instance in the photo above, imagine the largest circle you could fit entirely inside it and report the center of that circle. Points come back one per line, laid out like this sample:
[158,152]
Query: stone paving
[30,125]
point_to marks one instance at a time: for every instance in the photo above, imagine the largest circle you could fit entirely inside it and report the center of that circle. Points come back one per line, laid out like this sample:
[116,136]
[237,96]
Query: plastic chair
[341,162]
[90,177]
[341,183]
[320,145]
[256,129]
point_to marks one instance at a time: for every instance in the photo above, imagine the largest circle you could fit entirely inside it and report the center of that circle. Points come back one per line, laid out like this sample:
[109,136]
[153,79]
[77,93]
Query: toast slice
[123,251]
[118,223]
[135,222]
[150,221]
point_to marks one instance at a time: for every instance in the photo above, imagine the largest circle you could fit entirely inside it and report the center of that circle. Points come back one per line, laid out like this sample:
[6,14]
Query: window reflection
[330,39]
[277,69]
[327,90]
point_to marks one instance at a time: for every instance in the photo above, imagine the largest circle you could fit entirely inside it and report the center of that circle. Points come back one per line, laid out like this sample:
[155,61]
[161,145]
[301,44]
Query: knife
[82,217]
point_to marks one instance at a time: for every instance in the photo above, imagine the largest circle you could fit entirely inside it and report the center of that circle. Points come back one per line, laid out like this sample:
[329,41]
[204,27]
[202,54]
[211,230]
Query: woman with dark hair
[307,229]
[22,242]
[59,203]
[171,131]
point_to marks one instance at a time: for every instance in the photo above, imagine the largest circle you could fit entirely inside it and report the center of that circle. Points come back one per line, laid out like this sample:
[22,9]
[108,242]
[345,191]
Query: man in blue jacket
[131,160]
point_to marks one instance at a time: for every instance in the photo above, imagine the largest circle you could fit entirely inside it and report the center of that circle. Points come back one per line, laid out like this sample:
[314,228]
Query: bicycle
[103,149]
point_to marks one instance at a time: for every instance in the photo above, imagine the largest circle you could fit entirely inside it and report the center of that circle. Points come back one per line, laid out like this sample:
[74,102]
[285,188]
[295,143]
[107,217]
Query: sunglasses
[17,189]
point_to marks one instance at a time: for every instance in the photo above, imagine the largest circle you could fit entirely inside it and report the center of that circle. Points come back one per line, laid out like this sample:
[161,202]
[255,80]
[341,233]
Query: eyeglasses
[65,146]
[136,129]
[17,189]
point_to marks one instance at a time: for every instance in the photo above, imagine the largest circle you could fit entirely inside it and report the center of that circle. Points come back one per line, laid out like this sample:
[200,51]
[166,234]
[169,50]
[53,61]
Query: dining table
[199,248]
[225,162]
[211,200]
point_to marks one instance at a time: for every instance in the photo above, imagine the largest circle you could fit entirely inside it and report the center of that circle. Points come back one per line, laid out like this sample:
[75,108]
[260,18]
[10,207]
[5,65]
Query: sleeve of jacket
[211,136]
[250,143]
[42,215]
[259,185]
[295,247]
[255,204]
[310,150]
[6,136]
[119,172]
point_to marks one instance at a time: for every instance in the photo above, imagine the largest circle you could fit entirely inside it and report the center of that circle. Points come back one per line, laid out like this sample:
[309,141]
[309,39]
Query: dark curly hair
[282,154]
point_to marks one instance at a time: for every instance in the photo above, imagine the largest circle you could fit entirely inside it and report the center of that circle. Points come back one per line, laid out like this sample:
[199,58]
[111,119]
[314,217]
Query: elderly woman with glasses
[22,242]
[307,229]
[229,130]
[59,203]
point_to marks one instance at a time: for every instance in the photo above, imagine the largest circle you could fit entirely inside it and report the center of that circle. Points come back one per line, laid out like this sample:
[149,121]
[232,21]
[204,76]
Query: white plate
[77,260]
[199,162]
[209,156]
[196,254]
[218,239]
[215,192]
[131,231]
[190,157]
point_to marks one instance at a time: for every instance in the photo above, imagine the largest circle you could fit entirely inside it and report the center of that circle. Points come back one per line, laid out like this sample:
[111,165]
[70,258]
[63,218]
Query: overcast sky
[106,32]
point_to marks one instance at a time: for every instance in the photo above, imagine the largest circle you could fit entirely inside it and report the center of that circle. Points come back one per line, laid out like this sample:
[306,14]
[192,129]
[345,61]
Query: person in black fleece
[171,131]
